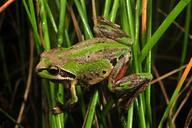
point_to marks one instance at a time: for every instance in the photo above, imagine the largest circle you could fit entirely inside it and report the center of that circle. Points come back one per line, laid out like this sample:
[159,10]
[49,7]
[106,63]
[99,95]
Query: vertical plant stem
[130,116]
[60,40]
[57,4]
[60,95]
[61,22]
[84,19]
[107,8]
[124,19]
[136,39]
[130,18]
[92,109]
[51,18]
[81,101]
[148,66]
[38,42]
[137,65]
[114,11]
[44,25]
[131,26]
[54,118]
[83,7]
[31,6]
[85,13]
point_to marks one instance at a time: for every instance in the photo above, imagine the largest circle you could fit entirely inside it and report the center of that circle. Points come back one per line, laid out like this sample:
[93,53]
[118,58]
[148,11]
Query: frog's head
[49,68]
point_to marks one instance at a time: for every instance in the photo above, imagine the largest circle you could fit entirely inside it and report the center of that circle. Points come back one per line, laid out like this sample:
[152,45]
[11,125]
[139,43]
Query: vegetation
[162,39]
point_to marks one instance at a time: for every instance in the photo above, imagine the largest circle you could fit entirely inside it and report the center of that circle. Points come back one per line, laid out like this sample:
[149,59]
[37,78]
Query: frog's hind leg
[131,85]
[60,108]
[117,81]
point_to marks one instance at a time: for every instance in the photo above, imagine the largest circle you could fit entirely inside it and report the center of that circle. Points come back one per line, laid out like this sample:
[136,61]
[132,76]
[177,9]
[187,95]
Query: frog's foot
[107,29]
[133,82]
[56,110]
[61,108]
[131,86]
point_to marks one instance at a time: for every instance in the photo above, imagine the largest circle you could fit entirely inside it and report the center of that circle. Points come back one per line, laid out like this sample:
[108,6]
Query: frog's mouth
[55,73]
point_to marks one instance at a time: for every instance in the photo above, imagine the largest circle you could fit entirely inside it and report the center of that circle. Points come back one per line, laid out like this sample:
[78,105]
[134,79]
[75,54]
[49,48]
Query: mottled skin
[60,59]
[91,61]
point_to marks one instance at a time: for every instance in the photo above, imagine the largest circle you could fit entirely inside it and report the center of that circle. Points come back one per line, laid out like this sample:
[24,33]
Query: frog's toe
[56,110]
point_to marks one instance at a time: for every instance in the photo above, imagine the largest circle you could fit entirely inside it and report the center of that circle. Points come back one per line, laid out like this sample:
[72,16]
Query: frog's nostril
[40,70]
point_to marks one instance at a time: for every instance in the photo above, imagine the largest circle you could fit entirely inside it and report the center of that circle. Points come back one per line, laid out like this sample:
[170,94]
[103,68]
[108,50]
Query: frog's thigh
[118,71]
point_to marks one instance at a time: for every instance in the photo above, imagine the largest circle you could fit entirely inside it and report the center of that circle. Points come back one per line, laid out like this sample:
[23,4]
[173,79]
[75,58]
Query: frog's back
[93,60]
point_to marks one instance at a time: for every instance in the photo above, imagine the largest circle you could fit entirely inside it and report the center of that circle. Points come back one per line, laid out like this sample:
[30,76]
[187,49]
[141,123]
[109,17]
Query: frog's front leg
[60,108]
[133,84]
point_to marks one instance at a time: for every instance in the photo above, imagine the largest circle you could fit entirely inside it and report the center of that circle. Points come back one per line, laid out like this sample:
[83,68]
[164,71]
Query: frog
[91,61]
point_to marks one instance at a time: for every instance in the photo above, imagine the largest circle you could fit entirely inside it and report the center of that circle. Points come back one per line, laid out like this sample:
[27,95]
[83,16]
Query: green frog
[91,61]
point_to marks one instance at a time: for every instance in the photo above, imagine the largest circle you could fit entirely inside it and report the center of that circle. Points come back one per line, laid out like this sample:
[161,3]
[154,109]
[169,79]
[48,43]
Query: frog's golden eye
[53,70]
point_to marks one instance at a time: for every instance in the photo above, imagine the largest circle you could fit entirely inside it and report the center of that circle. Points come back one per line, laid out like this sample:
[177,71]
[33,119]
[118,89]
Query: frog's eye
[53,70]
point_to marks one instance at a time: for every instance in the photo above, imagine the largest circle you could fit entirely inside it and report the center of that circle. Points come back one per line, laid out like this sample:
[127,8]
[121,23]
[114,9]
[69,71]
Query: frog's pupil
[53,70]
